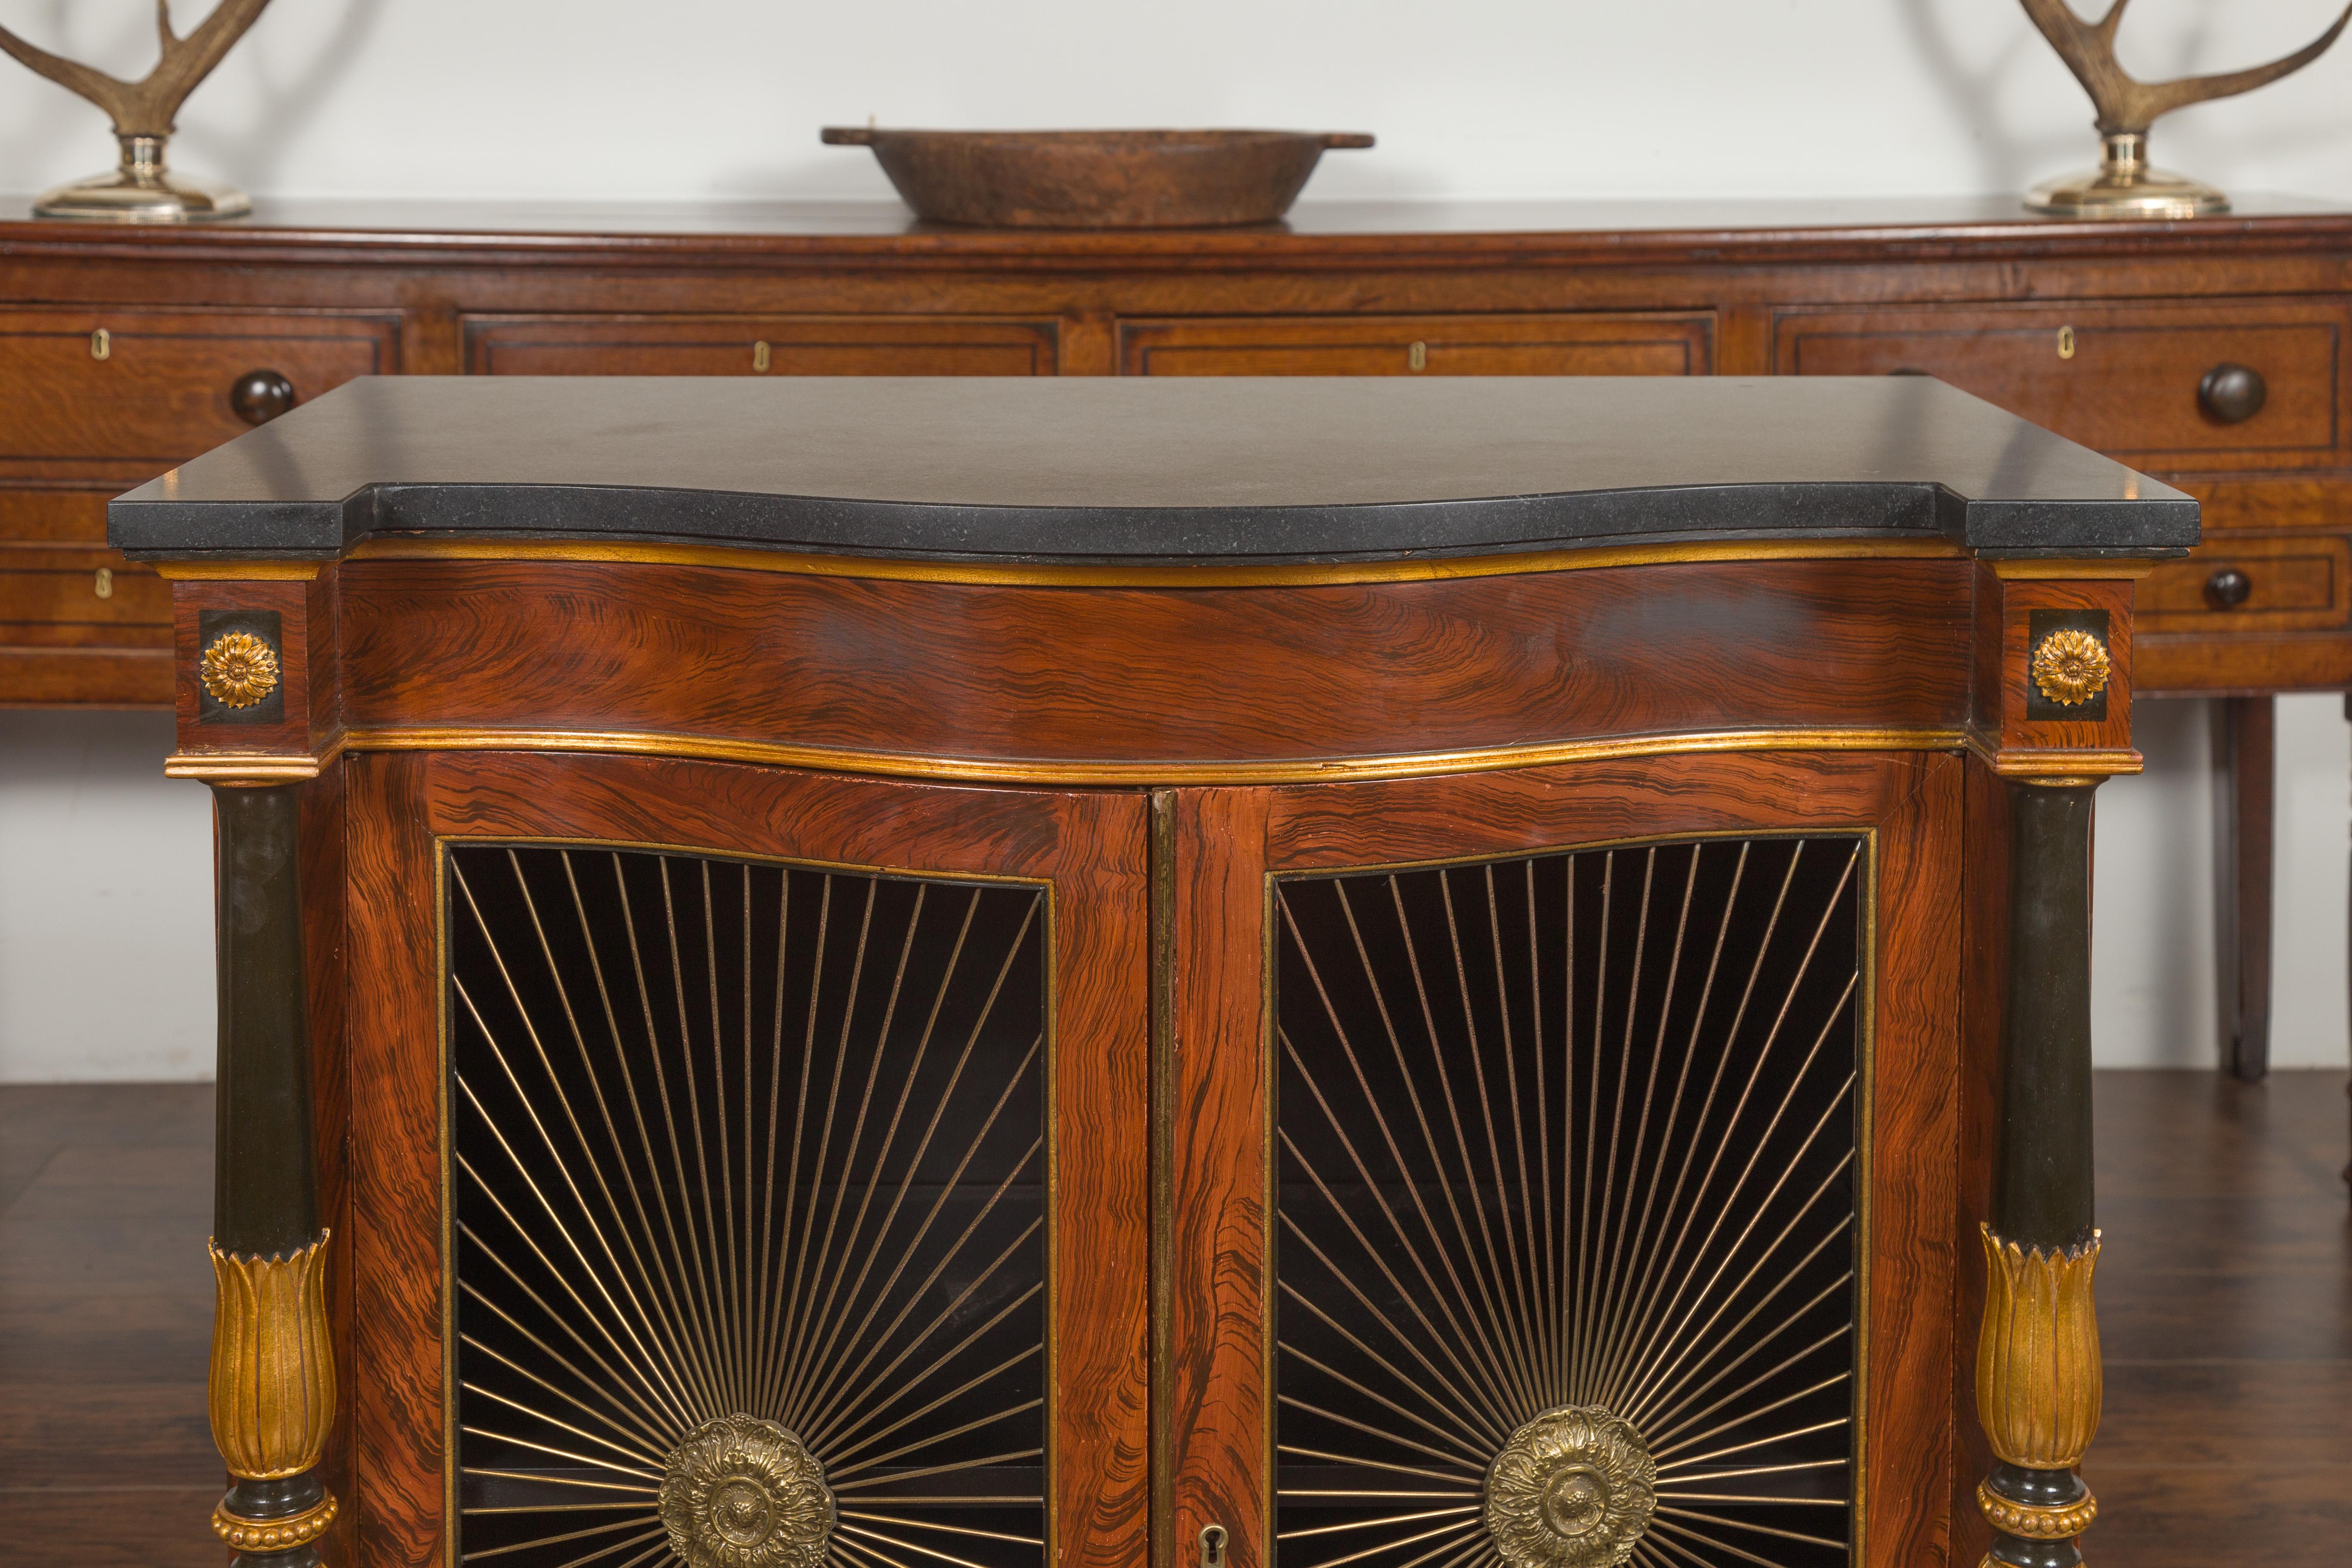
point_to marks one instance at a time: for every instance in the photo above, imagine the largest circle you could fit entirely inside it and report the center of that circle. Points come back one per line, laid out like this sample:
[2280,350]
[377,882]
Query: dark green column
[2038,1381]
[271,1390]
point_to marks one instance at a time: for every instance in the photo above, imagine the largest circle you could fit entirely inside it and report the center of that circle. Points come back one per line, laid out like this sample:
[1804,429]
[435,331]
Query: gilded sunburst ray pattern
[1568,1209]
[747,1169]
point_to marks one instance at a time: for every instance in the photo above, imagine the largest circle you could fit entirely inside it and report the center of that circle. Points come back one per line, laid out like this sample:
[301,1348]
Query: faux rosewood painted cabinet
[2208,354]
[1260,974]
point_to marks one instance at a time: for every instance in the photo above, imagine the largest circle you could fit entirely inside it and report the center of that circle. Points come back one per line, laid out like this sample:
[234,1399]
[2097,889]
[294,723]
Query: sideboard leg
[271,1392]
[2245,761]
[2038,1379]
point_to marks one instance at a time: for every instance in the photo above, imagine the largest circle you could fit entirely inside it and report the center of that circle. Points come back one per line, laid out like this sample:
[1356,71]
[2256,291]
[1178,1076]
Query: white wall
[106,967]
[103,912]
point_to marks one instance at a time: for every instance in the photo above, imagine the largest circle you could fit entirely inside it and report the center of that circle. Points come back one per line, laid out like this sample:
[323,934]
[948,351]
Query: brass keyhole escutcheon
[759,358]
[101,344]
[2065,342]
[1213,1546]
[103,583]
[1417,357]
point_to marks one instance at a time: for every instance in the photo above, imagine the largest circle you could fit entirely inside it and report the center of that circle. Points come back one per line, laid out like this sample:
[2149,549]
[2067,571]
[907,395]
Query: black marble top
[1150,472]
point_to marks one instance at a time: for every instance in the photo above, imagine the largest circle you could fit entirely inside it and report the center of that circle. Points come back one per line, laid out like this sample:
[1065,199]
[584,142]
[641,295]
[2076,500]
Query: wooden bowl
[1096,179]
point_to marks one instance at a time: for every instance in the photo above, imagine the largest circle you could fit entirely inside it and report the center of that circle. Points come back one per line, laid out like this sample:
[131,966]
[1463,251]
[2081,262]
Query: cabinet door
[1565,1157]
[1624,343]
[759,345]
[746,1159]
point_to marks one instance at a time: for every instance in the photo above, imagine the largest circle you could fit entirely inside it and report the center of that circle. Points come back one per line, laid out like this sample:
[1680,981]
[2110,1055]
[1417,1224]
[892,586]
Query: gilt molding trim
[237,571]
[232,769]
[2031,1521]
[275,1534]
[2040,571]
[1121,771]
[1051,574]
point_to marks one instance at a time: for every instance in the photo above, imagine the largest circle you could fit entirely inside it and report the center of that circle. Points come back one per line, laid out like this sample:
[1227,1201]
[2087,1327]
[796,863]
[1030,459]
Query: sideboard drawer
[759,345]
[97,384]
[2130,380]
[79,624]
[79,596]
[2274,583]
[45,517]
[1587,344]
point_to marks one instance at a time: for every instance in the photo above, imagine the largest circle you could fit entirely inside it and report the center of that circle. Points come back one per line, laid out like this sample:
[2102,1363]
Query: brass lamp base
[142,190]
[2125,186]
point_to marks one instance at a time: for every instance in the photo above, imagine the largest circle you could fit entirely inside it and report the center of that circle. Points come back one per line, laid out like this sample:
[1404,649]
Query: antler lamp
[2124,184]
[141,189]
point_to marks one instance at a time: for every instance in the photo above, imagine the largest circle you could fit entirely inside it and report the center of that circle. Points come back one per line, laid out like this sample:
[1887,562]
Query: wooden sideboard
[2210,354]
[1093,974]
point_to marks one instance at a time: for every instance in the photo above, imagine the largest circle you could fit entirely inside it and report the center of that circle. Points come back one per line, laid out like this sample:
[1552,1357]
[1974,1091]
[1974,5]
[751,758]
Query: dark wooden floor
[2225,1297]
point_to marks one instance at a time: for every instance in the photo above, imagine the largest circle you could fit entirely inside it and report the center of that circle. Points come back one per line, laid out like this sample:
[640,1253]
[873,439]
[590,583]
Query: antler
[2127,107]
[148,106]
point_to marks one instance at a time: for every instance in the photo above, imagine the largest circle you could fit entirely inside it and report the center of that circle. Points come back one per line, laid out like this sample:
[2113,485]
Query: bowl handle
[1330,139]
[848,136]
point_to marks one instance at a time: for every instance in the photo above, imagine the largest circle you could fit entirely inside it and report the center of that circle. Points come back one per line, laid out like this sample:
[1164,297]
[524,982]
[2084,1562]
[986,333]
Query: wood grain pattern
[2004,608]
[1596,343]
[729,345]
[290,603]
[959,670]
[1915,803]
[392,1036]
[1984,997]
[1218,1390]
[322,880]
[1091,847]
[1915,1147]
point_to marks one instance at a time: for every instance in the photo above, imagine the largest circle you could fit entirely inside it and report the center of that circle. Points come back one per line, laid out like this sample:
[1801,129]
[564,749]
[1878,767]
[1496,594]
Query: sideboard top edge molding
[1438,232]
[1140,471]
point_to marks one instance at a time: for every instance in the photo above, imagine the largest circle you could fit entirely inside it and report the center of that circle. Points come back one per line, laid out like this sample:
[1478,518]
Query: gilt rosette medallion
[1572,1488]
[238,669]
[741,1492]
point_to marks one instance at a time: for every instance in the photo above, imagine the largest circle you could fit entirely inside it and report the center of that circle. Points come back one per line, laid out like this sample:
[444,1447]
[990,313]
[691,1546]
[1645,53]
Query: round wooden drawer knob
[2228,588]
[261,395]
[2232,394]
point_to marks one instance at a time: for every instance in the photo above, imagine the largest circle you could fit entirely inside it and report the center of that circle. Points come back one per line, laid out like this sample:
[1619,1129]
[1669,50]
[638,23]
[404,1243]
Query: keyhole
[1213,1546]
[103,585]
[1417,357]
[101,344]
[759,358]
[2065,342]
